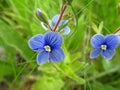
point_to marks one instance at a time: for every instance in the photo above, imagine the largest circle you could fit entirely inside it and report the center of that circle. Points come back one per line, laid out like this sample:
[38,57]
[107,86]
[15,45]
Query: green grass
[18,67]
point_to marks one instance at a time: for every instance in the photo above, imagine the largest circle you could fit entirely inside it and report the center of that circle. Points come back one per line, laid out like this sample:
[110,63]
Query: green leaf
[107,65]
[71,74]
[100,27]
[5,69]
[78,66]
[48,83]
[100,86]
[13,38]
[95,28]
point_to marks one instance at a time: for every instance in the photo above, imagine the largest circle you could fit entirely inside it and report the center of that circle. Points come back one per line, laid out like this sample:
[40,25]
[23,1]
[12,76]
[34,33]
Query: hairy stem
[61,15]
[117,30]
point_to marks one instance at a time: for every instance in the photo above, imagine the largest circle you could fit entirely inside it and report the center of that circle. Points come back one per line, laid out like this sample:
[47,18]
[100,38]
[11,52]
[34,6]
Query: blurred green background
[18,67]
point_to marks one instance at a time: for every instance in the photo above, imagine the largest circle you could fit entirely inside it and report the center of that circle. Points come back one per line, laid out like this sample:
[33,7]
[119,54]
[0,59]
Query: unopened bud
[41,16]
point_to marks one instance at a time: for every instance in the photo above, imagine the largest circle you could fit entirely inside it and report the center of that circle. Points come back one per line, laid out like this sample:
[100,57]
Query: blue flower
[65,29]
[48,46]
[104,44]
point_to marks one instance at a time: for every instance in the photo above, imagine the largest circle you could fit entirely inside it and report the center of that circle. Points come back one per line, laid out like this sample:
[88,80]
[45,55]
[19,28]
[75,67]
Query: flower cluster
[48,45]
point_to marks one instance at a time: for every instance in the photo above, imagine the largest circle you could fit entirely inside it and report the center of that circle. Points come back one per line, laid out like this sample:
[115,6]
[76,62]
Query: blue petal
[65,30]
[57,55]
[95,53]
[37,42]
[53,39]
[97,40]
[112,41]
[42,57]
[63,22]
[108,54]
[55,18]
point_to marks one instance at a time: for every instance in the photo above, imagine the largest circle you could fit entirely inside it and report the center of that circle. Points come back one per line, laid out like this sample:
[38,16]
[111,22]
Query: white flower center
[103,47]
[47,48]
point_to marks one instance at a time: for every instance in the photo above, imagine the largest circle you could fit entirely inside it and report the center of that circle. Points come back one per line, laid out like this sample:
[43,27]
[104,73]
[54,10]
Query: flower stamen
[47,48]
[103,47]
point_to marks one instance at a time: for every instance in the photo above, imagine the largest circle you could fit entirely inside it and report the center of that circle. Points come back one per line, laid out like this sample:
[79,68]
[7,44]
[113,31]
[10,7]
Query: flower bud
[41,16]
